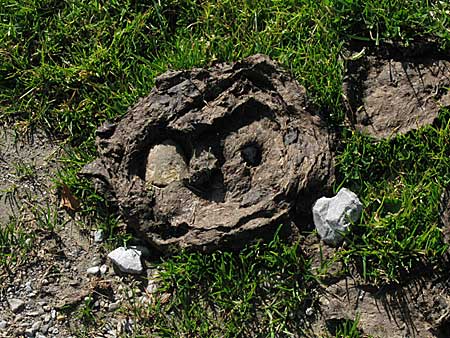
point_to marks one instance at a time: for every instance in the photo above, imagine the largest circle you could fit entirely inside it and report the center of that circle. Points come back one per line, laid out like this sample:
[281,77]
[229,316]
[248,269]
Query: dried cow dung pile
[393,95]
[212,158]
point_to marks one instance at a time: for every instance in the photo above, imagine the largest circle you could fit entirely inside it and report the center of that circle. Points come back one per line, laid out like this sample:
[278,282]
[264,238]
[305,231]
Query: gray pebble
[3,324]
[114,306]
[16,305]
[44,328]
[99,236]
[93,270]
[36,326]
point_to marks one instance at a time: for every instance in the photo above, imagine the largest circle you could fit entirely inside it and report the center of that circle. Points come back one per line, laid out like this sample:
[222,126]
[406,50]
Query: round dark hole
[251,154]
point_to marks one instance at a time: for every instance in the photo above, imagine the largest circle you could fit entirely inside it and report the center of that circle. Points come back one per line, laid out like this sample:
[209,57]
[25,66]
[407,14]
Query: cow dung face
[214,158]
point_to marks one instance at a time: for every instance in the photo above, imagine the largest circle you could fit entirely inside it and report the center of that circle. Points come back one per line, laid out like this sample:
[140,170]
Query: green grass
[400,182]
[66,66]
[262,291]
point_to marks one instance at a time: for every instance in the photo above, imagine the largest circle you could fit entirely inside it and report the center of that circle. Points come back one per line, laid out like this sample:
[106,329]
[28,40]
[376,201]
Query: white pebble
[99,236]
[93,270]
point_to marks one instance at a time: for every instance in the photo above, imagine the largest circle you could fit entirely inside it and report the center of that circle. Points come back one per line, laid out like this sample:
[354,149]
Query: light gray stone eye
[165,164]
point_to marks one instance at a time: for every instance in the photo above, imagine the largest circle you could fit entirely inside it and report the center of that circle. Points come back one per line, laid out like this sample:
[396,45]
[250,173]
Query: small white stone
[103,269]
[93,270]
[36,326]
[3,324]
[16,305]
[44,328]
[309,311]
[53,313]
[39,335]
[152,287]
[46,318]
[127,260]
[28,241]
[114,306]
[334,216]
[99,236]
[28,287]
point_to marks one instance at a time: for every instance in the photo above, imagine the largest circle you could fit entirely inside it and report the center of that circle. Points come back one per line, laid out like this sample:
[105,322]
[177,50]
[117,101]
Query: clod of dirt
[393,95]
[215,157]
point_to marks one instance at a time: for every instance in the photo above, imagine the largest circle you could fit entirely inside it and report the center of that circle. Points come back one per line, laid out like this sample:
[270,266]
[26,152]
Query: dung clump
[213,158]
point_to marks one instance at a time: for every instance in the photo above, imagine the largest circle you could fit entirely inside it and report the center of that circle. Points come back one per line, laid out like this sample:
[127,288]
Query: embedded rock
[333,216]
[393,94]
[213,158]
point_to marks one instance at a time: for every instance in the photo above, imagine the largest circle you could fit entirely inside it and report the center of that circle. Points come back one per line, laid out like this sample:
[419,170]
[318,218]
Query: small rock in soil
[127,260]
[333,216]
[3,324]
[93,270]
[16,305]
[114,306]
[36,326]
[99,236]
[103,269]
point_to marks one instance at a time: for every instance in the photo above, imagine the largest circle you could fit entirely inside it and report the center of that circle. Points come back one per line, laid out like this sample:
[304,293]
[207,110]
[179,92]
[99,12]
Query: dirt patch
[392,93]
[418,309]
[46,289]
[415,307]
[215,157]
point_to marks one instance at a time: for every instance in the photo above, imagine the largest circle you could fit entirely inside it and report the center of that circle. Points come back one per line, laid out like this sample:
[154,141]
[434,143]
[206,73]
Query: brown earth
[390,94]
[53,283]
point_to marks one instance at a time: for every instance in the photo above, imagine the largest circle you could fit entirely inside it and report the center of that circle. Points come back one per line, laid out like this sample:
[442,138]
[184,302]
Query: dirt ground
[50,281]
[50,294]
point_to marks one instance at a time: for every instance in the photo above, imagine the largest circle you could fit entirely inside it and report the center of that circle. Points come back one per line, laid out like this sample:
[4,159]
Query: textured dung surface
[390,96]
[254,155]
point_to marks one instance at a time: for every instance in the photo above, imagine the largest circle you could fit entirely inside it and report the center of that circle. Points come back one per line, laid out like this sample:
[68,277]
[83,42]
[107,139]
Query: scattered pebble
[99,236]
[103,269]
[36,326]
[93,270]
[16,305]
[114,306]
[3,324]
[47,318]
[309,311]
[44,328]
[28,287]
[151,287]
[127,260]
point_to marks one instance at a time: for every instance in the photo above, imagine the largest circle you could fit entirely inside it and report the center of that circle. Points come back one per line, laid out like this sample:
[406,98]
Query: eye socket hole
[251,154]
